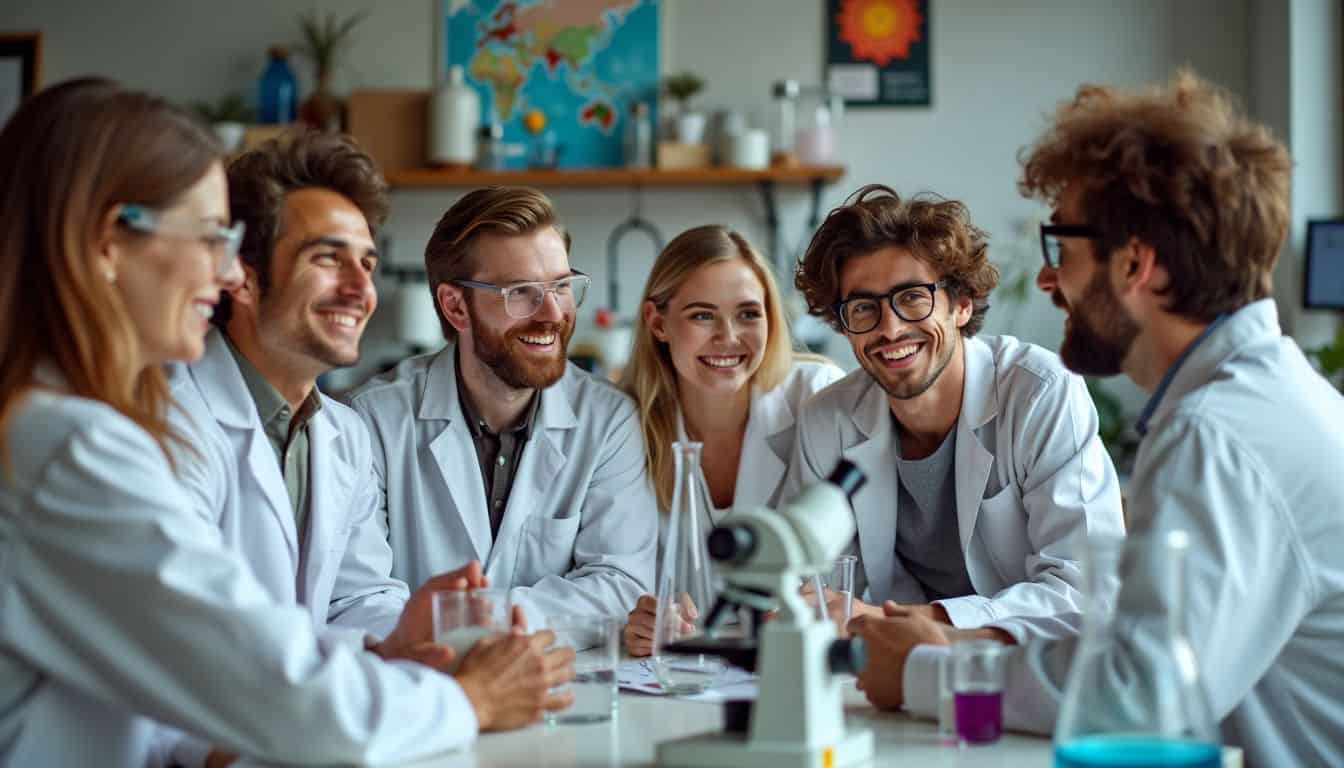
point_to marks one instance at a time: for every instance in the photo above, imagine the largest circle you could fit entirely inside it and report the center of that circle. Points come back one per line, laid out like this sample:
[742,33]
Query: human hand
[889,640]
[219,758]
[416,625]
[508,679]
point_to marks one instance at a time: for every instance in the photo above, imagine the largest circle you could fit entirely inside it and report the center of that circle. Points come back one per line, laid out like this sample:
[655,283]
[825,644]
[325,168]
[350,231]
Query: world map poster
[563,71]
[878,52]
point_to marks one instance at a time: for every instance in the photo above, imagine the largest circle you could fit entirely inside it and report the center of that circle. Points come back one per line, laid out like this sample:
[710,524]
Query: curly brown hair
[1182,169]
[260,180]
[936,230]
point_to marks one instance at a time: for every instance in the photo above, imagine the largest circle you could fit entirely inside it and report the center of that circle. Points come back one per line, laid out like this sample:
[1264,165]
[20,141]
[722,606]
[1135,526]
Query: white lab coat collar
[453,448]
[1253,323]
[876,456]
[766,445]
[226,394]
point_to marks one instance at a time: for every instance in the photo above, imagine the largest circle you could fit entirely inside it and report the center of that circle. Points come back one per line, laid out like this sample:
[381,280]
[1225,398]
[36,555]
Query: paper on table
[638,675]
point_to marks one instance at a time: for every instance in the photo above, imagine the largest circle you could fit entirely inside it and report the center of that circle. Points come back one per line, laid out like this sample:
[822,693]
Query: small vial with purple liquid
[977,690]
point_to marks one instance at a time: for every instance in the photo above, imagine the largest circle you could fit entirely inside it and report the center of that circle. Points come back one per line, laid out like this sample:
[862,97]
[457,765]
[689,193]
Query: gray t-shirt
[928,539]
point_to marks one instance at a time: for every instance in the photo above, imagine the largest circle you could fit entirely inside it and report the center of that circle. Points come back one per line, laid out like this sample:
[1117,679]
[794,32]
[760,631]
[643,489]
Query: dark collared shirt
[287,433]
[497,453]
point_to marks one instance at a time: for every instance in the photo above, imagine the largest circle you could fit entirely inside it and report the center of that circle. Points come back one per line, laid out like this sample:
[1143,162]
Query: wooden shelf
[430,178]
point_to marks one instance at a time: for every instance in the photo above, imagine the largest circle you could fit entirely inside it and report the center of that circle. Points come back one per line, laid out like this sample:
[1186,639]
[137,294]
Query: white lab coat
[767,444]
[341,570]
[346,561]
[120,604]
[1245,453]
[1033,481]
[579,531]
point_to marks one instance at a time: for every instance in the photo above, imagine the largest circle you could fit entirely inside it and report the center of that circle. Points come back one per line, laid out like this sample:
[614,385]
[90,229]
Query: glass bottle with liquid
[686,590]
[1163,718]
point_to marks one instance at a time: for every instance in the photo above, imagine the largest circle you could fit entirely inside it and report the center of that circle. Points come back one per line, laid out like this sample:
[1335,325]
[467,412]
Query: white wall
[998,68]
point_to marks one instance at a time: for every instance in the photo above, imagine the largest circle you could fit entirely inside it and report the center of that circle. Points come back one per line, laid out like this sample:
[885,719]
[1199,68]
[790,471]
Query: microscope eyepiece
[847,477]
[731,543]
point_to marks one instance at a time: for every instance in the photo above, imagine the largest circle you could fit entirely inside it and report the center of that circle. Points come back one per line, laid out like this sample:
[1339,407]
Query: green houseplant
[681,88]
[324,39]
[228,118]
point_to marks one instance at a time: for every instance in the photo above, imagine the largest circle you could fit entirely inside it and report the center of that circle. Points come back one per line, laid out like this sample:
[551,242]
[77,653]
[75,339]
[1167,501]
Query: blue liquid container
[278,93]
[1137,752]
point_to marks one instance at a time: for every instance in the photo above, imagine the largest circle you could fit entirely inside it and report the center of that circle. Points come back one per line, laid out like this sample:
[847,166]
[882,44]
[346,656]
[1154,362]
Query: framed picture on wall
[877,52]
[20,70]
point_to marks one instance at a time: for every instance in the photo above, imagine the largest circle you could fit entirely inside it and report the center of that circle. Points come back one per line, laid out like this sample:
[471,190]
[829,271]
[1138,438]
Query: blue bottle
[278,98]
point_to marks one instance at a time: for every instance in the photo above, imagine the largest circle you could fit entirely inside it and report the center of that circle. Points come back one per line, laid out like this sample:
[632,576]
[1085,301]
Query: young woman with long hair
[713,362]
[118,603]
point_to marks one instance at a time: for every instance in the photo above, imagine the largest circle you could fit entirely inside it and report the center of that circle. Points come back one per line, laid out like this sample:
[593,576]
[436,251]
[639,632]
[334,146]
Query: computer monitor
[1323,285]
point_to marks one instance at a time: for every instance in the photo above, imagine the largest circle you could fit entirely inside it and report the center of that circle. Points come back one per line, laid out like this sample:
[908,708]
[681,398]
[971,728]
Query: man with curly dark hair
[985,473]
[283,470]
[1170,210]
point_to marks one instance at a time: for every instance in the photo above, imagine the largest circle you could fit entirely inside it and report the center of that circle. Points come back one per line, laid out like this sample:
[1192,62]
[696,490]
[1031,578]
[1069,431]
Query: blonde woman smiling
[713,362]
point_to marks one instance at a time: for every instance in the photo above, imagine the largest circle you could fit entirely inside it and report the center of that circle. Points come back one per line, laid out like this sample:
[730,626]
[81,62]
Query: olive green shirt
[497,453]
[287,433]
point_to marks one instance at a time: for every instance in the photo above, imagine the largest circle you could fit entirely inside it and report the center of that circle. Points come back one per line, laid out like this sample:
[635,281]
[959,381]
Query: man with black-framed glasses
[985,472]
[496,448]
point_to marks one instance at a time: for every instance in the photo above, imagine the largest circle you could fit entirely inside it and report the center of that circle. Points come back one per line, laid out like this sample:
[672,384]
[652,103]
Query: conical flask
[686,589]
[1134,703]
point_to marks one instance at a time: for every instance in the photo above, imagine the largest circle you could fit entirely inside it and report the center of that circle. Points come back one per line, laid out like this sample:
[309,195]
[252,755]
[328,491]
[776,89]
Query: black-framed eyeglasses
[522,300]
[911,303]
[1050,234]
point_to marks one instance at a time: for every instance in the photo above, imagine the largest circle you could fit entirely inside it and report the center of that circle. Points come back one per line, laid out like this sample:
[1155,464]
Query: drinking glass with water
[596,644]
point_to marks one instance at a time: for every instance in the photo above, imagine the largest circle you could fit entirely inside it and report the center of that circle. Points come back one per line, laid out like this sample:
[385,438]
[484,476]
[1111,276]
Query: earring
[110,275]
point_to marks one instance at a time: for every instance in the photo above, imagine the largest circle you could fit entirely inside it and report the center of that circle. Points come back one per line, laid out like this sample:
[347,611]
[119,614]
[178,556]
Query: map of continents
[580,62]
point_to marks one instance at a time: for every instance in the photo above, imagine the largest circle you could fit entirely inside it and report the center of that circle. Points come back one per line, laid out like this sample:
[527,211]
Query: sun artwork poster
[556,75]
[877,52]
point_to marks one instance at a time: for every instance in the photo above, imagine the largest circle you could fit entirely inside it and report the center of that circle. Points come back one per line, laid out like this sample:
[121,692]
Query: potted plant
[324,37]
[228,117]
[690,125]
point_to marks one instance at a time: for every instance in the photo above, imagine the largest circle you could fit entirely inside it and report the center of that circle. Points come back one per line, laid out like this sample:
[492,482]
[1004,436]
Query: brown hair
[261,178]
[485,211]
[936,230]
[1182,169]
[68,156]
[651,379]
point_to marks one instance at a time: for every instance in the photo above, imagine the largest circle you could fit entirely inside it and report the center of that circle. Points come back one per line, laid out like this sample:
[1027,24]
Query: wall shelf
[430,178]
[767,181]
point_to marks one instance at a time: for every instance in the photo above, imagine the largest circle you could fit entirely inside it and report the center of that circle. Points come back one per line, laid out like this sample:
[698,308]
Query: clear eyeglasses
[522,300]
[223,242]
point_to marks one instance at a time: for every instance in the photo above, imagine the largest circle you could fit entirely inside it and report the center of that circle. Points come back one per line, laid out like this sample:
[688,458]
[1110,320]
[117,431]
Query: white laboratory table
[643,721]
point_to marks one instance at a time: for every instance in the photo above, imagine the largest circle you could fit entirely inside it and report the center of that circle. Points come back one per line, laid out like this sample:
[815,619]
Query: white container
[230,135]
[750,149]
[691,127]
[454,117]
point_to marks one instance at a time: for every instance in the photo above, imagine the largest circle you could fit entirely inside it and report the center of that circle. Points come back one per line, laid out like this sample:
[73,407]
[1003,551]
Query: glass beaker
[1161,718]
[686,585]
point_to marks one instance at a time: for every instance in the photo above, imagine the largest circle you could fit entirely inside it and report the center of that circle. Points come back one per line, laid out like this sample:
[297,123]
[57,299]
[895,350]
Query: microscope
[798,717]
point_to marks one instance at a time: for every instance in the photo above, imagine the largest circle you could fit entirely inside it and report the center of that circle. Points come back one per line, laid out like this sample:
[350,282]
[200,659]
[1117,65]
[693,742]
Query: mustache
[904,338]
[538,329]
[354,306]
[1058,299]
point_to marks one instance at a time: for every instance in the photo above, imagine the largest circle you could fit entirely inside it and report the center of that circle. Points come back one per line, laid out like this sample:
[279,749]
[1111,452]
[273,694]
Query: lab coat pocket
[1002,525]
[546,548]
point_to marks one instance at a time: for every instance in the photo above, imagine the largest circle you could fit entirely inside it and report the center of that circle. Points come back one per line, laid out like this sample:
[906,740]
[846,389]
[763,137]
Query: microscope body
[798,716]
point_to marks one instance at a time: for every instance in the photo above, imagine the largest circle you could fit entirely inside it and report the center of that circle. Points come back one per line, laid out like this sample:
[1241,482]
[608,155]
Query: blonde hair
[68,156]
[651,379]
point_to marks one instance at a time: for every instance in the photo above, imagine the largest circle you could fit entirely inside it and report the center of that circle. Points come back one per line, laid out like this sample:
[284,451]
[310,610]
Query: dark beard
[510,366]
[1099,336]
